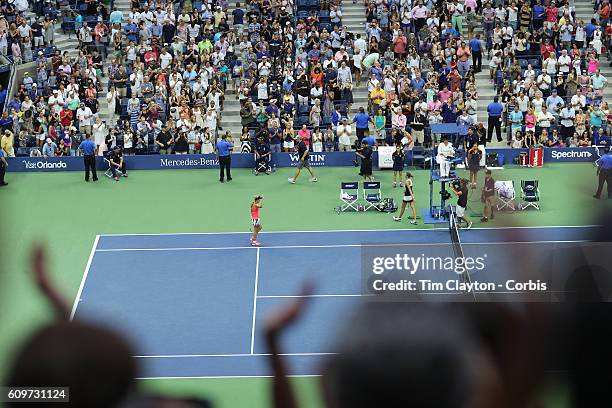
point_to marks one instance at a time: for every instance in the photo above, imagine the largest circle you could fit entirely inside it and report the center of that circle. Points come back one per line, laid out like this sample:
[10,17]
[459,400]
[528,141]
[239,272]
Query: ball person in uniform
[488,191]
[115,157]
[88,147]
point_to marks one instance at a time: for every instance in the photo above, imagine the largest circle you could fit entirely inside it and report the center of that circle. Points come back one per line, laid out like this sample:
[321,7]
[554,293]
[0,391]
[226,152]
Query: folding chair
[419,157]
[506,194]
[108,173]
[349,194]
[372,194]
[530,194]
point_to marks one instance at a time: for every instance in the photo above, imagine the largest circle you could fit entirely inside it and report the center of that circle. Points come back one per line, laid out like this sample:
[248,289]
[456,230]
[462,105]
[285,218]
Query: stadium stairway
[230,119]
[585,12]
[123,6]
[64,42]
[353,16]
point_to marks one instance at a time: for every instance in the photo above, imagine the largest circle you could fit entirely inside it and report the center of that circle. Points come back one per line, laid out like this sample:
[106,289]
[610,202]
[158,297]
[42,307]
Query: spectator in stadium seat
[84,117]
[567,117]
[7,143]
[344,134]
[164,140]
[49,148]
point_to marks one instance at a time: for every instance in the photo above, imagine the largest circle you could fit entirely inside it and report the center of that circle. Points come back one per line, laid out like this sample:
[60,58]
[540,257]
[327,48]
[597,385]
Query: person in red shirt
[316,76]
[399,46]
[464,54]
[151,57]
[66,117]
[454,79]
[546,49]
[551,15]
[604,13]
[304,134]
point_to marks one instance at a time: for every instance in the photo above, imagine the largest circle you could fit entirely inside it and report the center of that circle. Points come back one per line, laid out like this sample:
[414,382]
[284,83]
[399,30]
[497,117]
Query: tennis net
[456,243]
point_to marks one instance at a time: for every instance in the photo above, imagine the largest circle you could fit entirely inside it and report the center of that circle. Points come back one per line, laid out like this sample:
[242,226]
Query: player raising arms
[256,204]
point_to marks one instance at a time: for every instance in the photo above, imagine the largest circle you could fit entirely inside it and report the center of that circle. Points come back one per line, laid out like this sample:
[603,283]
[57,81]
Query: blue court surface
[194,304]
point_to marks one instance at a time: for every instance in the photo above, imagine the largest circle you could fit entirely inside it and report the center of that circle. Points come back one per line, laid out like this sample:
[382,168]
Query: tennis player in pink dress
[255,206]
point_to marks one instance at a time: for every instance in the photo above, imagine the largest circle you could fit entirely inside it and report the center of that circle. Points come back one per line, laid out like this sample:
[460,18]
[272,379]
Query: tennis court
[194,304]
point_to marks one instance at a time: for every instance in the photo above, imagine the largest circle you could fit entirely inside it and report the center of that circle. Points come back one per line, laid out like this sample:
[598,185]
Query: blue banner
[571,154]
[243,160]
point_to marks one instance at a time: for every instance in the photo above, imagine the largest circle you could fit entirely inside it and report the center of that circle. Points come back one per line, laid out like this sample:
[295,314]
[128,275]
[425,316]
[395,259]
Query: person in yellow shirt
[7,142]
[376,97]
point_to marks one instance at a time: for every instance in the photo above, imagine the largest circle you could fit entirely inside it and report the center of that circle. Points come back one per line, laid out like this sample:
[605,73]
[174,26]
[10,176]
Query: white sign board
[385,157]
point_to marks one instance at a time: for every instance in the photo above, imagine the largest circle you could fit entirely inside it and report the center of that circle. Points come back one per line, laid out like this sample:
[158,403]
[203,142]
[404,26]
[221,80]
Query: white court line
[212,377]
[337,246]
[77,299]
[351,230]
[233,355]
[255,302]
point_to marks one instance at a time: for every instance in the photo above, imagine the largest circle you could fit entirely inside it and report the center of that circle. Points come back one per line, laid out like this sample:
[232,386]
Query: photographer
[459,187]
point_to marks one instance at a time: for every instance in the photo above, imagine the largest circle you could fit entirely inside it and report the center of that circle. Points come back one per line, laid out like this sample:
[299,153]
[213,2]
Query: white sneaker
[314,179]
[469,225]
[395,218]
[291,180]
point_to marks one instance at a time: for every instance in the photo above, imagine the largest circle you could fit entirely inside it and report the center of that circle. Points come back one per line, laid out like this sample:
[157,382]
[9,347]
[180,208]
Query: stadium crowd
[294,69]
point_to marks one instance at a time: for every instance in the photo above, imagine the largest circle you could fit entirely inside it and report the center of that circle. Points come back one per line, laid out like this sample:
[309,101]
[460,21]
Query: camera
[457,183]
